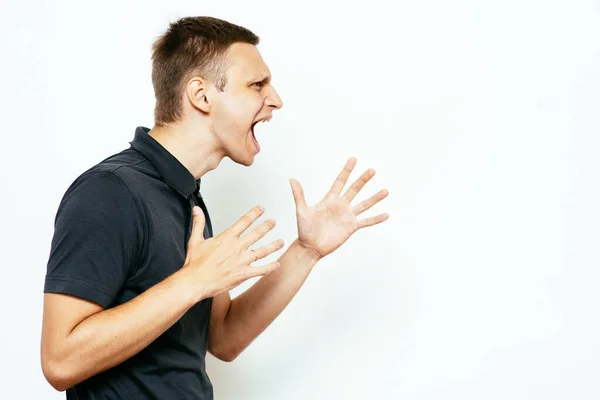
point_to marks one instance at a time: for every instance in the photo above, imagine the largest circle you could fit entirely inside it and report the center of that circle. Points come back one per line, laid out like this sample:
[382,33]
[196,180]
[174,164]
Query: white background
[480,117]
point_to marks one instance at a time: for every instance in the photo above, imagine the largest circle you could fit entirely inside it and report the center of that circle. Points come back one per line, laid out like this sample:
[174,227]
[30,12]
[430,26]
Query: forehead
[245,62]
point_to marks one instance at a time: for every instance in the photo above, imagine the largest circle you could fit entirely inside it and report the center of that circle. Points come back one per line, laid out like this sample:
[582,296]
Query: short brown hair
[192,46]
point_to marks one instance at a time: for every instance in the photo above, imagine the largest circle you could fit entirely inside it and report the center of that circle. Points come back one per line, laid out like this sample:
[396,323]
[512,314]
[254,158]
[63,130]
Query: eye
[260,84]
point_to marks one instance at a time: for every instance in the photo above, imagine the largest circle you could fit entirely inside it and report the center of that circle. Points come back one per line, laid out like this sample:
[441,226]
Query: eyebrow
[266,79]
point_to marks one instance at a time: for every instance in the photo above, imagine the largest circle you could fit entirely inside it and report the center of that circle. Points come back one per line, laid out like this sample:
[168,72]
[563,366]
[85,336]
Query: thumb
[298,193]
[198,222]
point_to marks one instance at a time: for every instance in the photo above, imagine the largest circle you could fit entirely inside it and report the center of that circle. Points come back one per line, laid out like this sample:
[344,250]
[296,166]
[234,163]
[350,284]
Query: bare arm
[322,229]
[235,324]
[87,339]
[80,339]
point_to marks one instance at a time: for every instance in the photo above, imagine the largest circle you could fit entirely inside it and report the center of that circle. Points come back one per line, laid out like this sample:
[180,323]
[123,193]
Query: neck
[195,148]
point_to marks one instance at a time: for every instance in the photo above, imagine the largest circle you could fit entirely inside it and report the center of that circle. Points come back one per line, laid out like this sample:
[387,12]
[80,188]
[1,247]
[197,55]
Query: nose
[273,100]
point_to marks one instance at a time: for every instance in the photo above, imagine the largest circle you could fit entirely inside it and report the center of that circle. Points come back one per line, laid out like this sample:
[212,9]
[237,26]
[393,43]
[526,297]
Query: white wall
[481,118]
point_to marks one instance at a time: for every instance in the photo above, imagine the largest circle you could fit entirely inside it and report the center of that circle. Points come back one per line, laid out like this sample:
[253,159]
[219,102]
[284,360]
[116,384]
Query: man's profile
[137,286]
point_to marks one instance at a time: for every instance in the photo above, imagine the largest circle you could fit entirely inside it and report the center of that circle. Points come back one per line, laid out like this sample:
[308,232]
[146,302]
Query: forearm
[253,311]
[111,336]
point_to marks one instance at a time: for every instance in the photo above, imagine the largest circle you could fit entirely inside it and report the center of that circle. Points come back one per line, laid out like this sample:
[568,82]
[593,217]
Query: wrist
[307,252]
[189,286]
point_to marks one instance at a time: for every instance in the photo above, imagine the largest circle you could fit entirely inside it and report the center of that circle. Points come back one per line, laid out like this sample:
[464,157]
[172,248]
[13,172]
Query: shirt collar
[170,169]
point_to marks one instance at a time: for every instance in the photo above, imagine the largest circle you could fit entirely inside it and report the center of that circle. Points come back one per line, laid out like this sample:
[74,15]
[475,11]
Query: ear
[197,93]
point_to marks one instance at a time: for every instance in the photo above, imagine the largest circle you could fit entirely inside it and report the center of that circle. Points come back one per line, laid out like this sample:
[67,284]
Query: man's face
[247,99]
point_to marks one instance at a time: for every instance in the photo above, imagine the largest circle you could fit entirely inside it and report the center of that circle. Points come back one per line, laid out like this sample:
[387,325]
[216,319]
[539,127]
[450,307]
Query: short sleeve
[97,239]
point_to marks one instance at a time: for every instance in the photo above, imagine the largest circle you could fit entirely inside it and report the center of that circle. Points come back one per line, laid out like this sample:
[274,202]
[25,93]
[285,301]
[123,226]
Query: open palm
[327,225]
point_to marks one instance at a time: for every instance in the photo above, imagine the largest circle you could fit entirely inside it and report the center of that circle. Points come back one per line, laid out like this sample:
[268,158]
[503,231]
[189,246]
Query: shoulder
[99,197]
[110,179]
[98,186]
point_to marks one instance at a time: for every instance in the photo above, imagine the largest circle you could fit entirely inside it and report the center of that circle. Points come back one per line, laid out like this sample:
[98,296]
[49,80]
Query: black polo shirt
[121,228]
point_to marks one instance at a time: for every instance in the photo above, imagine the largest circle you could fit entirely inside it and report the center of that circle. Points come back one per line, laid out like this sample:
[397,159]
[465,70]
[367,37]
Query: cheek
[234,114]
[240,116]
[227,120]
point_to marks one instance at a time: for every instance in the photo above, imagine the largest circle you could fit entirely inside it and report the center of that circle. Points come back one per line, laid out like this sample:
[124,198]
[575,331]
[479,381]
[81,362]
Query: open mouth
[256,144]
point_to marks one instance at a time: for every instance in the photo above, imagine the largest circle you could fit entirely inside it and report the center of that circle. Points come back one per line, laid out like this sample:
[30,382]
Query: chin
[243,154]
[246,161]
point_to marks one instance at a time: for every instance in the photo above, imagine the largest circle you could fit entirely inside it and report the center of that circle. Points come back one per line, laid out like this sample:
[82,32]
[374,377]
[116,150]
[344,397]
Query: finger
[298,193]
[262,270]
[358,185]
[265,250]
[248,219]
[258,233]
[342,178]
[198,222]
[363,223]
[370,202]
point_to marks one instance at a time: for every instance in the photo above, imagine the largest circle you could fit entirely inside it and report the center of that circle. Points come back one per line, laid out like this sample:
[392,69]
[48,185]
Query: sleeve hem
[77,288]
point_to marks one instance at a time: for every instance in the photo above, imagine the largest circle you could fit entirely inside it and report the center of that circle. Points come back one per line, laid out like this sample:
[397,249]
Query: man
[137,287]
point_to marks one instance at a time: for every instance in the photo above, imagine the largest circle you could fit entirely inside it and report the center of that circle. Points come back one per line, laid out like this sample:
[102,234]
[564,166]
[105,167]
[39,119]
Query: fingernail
[261,208]
[196,210]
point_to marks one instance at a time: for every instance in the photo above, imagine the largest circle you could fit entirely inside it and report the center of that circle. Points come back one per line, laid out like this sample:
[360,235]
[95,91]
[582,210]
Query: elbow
[227,355]
[57,374]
